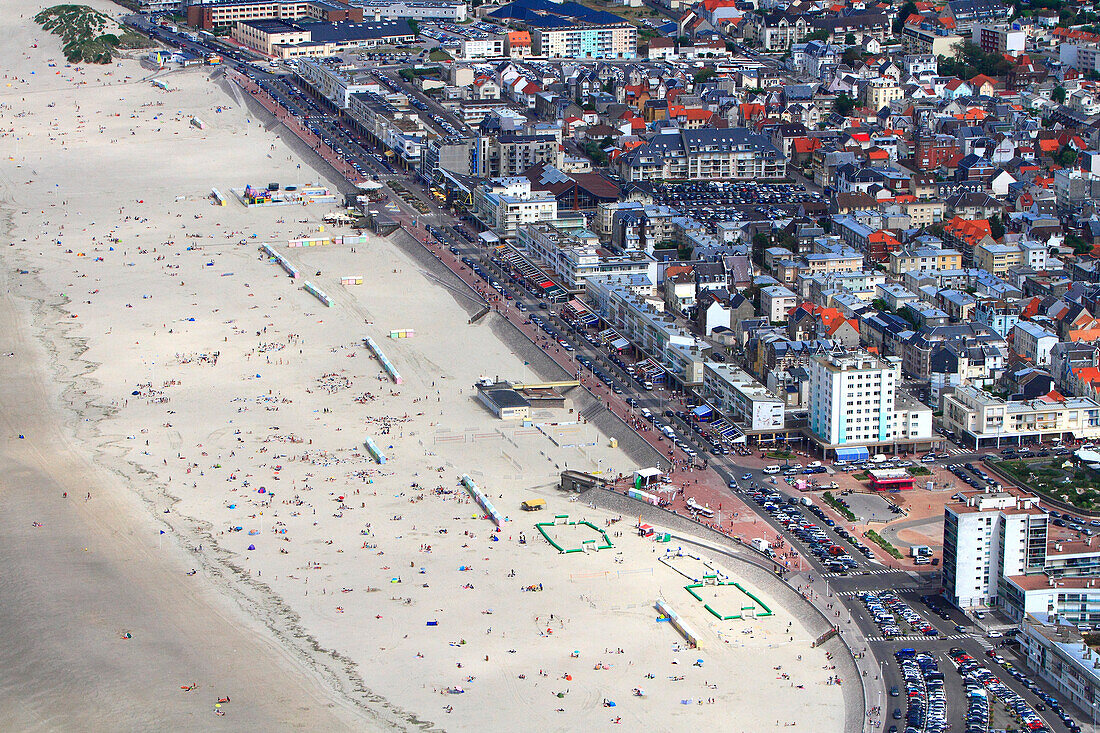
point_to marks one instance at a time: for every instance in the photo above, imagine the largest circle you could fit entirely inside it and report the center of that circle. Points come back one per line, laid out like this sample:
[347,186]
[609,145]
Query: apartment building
[640,320]
[983,420]
[775,31]
[446,10]
[1056,652]
[574,255]
[999,317]
[999,38]
[920,259]
[332,83]
[734,393]
[614,41]
[210,14]
[997,258]
[734,153]
[398,131]
[853,404]
[923,213]
[1084,57]
[1033,342]
[505,204]
[776,302]
[510,154]
[491,47]
[878,93]
[926,39]
[987,537]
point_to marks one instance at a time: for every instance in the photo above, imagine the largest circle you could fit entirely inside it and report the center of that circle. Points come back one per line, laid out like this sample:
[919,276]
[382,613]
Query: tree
[851,56]
[843,104]
[881,305]
[819,35]
[1080,246]
[760,242]
[850,39]
[907,9]
[996,227]
[970,60]
[703,75]
[1058,94]
[1065,157]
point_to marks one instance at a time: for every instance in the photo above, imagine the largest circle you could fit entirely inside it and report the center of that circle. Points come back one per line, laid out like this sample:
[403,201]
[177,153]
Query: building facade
[988,537]
[616,41]
[983,420]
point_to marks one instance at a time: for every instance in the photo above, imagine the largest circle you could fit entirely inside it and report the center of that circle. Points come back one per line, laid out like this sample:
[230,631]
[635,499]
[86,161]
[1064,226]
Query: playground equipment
[482,500]
[394,375]
[290,269]
[678,623]
[375,452]
[318,293]
[585,545]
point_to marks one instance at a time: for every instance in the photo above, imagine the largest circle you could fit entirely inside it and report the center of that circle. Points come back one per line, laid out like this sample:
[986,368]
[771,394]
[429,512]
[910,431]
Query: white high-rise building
[854,406]
[988,537]
[852,398]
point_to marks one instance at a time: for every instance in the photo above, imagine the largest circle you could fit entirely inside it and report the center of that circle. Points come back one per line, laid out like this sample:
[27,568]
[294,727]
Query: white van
[646,414]
[771,469]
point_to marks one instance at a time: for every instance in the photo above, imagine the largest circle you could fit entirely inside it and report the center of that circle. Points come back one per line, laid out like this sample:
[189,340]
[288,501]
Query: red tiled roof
[806,144]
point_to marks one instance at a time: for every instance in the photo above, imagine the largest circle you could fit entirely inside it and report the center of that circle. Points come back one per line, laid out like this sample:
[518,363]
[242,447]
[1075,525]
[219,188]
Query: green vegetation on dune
[87,35]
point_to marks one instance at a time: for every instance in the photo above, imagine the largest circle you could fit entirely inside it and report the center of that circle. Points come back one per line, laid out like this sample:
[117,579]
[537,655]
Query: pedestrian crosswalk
[955,452]
[919,637]
[857,573]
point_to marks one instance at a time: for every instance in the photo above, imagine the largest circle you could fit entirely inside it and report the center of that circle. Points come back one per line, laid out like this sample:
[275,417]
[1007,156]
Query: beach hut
[533,505]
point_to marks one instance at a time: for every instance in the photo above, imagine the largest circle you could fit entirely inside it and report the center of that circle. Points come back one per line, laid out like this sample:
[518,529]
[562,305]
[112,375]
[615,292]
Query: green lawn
[1076,484]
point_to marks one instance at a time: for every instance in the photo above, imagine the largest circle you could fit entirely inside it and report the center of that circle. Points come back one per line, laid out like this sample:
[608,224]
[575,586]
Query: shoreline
[243,626]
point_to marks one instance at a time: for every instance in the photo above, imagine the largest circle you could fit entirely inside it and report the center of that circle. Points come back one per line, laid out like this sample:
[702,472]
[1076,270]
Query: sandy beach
[190,500]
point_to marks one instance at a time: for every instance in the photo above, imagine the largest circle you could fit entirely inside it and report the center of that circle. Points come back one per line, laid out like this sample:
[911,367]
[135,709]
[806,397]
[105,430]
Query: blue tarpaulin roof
[702,410]
[852,454]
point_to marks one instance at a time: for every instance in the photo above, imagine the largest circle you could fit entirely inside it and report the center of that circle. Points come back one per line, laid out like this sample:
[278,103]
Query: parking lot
[722,201]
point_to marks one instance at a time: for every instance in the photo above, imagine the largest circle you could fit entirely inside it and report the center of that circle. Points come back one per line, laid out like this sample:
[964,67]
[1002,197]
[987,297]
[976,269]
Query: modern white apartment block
[737,395]
[615,41]
[575,254]
[452,10]
[1058,654]
[505,204]
[987,537]
[982,420]
[854,402]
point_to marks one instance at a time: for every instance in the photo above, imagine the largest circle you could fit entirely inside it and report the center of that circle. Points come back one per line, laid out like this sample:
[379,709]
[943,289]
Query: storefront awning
[852,454]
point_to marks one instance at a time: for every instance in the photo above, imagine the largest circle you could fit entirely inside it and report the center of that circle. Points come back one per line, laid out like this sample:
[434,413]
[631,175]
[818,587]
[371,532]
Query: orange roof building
[967,231]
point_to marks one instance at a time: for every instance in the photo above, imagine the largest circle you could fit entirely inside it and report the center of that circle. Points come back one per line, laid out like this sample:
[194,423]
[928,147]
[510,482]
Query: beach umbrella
[252,547]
